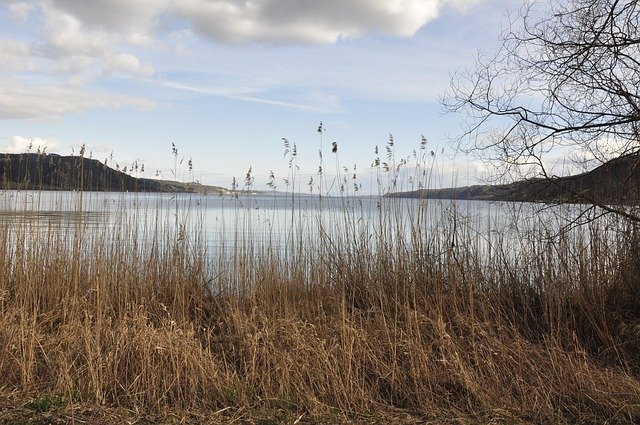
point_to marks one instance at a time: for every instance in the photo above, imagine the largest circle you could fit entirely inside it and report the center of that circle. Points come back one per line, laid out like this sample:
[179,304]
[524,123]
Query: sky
[226,80]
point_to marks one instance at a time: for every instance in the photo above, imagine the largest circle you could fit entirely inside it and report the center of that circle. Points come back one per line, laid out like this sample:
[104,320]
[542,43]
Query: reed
[400,321]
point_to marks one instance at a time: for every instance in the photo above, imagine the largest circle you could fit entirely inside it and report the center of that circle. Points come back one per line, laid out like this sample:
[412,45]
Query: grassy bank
[136,324]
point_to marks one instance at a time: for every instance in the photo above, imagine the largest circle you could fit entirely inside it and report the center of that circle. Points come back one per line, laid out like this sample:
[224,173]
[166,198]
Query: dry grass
[118,325]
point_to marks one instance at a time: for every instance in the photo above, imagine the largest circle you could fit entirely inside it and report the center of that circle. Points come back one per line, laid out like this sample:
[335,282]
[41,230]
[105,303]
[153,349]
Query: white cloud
[21,144]
[135,19]
[293,21]
[20,11]
[260,21]
[20,101]
[128,64]
[15,56]
[69,50]
[65,35]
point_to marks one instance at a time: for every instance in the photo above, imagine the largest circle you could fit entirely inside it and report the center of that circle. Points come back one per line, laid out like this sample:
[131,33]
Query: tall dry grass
[345,324]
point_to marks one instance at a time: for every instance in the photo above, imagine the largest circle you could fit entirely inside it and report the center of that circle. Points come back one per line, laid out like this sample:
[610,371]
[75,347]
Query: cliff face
[55,172]
[615,182]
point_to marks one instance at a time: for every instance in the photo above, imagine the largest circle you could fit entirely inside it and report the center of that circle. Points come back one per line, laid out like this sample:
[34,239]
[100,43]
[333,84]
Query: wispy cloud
[20,10]
[324,103]
[21,101]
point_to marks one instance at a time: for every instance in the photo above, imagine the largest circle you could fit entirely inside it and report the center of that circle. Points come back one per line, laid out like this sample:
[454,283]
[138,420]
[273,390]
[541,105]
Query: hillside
[55,172]
[614,182]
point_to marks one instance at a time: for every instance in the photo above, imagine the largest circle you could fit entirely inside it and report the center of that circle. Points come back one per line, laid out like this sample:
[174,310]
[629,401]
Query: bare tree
[564,84]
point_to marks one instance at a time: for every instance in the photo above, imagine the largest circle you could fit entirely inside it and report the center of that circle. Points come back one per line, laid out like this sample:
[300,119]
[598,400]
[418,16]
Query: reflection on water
[49,219]
[278,220]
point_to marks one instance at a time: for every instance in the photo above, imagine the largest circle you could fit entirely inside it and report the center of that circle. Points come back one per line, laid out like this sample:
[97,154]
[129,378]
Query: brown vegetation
[127,323]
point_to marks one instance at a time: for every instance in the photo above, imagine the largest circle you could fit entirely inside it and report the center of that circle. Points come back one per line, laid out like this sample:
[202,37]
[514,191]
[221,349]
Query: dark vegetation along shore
[35,171]
[616,181]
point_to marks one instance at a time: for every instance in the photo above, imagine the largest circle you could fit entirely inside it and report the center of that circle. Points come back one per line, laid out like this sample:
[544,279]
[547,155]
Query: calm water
[277,220]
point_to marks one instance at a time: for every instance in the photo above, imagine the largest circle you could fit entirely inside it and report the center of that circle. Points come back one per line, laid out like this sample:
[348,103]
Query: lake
[280,220]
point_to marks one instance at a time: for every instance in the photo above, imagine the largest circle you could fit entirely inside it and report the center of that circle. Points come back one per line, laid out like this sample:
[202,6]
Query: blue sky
[227,80]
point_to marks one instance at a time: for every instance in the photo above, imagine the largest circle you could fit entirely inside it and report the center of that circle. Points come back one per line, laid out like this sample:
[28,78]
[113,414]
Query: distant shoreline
[614,182]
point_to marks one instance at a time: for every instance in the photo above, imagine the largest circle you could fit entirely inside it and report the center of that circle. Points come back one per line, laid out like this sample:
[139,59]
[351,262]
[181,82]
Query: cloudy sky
[226,80]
